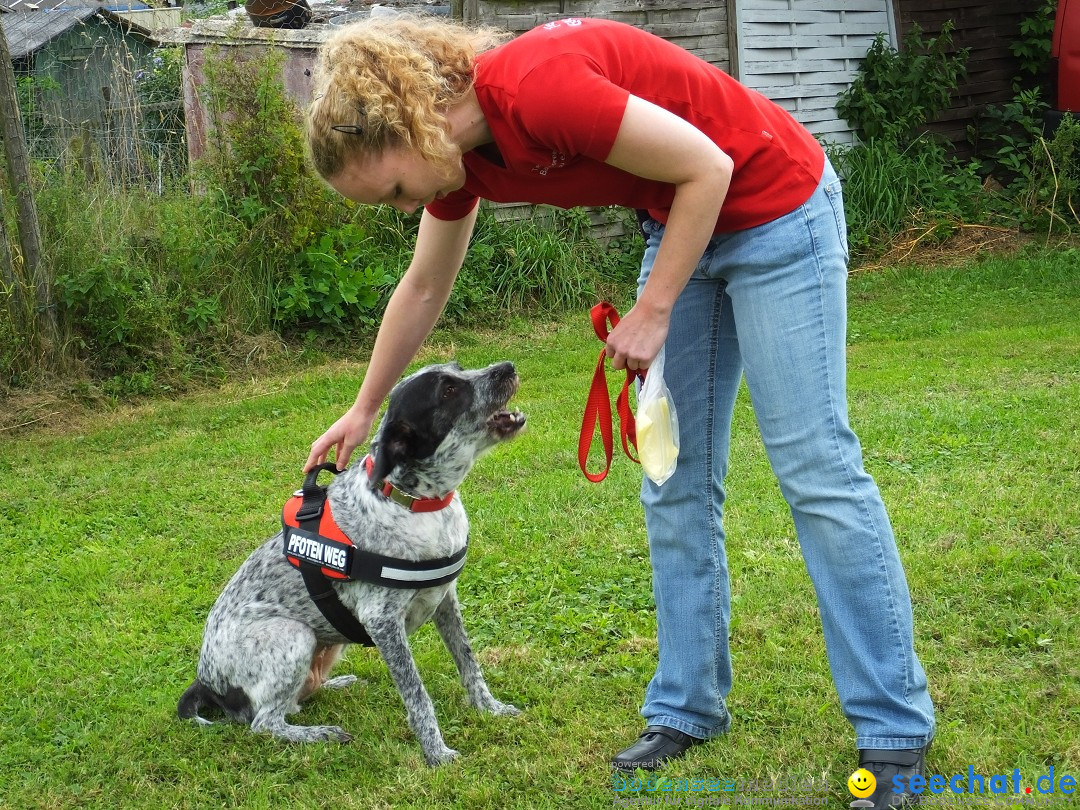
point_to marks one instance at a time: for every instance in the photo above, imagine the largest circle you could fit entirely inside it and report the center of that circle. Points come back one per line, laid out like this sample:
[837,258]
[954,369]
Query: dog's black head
[439,421]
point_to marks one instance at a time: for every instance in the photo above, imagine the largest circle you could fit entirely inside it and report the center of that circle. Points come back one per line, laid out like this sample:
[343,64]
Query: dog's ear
[395,445]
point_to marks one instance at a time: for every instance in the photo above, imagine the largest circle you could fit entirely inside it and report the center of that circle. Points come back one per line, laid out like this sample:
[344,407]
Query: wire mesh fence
[139,145]
[106,112]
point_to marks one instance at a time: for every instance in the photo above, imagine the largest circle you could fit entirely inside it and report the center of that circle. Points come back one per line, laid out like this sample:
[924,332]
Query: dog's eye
[449,391]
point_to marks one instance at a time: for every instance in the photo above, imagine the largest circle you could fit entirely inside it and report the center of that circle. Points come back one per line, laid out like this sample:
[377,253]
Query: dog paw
[334,734]
[302,734]
[505,709]
[492,706]
[340,682]
[442,756]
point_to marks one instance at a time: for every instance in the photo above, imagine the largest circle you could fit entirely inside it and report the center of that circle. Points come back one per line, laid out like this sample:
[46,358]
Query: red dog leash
[598,407]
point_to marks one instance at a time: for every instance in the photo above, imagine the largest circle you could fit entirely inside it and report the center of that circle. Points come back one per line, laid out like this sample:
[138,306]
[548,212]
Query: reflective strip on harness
[425,575]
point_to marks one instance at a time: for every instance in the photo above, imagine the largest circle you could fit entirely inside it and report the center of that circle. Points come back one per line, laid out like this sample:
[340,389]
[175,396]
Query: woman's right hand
[345,435]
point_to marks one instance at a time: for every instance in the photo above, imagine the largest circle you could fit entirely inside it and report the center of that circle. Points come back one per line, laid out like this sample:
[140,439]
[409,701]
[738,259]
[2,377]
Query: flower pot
[278,13]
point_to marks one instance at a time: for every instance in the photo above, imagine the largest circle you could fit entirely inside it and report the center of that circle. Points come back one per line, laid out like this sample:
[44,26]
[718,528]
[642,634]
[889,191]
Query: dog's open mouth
[506,424]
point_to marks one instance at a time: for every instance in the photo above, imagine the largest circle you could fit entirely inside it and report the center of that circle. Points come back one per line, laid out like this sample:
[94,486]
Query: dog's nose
[504,371]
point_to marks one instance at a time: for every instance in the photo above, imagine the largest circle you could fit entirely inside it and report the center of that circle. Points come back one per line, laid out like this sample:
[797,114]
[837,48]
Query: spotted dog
[267,645]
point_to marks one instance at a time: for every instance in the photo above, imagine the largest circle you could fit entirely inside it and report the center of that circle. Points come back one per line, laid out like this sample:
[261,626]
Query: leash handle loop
[601,315]
[598,405]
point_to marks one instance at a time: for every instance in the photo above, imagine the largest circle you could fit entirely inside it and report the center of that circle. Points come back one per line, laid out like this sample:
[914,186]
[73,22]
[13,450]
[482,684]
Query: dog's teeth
[507,422]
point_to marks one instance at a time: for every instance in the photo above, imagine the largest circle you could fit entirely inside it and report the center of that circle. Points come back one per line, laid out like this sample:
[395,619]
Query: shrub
[1032,46]
[118,312]
[897,175]
[897,92]
[153,290]
[550,262]
[260,203]
[1003,134]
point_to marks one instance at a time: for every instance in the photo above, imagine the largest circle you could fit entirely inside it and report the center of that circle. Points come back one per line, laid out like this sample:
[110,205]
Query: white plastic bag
[657,425]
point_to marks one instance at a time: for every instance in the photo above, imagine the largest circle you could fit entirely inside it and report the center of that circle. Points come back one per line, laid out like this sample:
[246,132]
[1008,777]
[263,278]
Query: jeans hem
[700,732]
[892,743]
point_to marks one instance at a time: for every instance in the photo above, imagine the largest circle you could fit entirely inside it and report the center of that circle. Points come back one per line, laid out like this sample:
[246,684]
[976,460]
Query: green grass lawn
[118,533]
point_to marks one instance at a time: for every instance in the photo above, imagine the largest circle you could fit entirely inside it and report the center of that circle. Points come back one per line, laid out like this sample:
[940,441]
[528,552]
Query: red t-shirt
[554,99]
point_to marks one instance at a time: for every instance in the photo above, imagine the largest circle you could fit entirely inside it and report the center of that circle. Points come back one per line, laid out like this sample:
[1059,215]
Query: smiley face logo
[861,783]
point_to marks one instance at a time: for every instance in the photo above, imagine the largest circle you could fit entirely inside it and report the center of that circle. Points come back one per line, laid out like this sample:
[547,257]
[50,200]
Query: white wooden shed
[802,53]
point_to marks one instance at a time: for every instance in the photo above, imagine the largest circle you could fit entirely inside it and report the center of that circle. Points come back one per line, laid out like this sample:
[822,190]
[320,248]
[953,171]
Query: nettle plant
[337,281]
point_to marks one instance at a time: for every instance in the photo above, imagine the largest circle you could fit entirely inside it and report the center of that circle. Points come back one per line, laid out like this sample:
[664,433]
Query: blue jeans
[770,303]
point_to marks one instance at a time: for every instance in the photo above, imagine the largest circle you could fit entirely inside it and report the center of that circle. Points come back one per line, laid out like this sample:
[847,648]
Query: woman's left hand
[638,338]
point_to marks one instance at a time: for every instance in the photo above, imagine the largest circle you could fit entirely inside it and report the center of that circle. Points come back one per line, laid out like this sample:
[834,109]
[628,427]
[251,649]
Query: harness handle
[598,405]
[313,494]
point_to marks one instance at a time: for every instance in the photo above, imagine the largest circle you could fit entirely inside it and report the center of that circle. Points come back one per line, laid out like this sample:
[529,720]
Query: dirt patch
[926,247]
[25,411]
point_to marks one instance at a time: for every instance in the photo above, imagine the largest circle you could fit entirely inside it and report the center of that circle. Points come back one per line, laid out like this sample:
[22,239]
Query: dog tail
[235,703]
[194,698]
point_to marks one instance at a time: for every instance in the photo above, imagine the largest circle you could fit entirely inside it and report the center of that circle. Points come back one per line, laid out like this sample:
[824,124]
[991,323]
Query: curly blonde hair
[391,80]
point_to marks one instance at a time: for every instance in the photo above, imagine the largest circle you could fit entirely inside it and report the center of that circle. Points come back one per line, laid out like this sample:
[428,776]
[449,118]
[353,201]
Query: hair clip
[348,129]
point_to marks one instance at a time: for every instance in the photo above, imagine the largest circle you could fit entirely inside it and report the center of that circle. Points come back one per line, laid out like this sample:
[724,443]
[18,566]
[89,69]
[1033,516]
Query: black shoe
[655,746]
[884,765]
